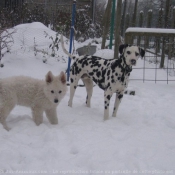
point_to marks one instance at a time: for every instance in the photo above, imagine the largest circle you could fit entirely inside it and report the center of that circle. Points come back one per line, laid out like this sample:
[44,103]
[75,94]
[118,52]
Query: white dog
[41,96]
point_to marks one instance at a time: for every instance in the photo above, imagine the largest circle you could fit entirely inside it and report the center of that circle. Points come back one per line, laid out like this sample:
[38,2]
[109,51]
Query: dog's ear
[49,77]
[63,77]
[121,47]
[142,52]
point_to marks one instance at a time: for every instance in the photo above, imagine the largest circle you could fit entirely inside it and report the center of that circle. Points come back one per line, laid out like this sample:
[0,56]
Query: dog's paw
[129,92]
[88,105]
[106,118]
[7,128]
[69,104]
[114,115]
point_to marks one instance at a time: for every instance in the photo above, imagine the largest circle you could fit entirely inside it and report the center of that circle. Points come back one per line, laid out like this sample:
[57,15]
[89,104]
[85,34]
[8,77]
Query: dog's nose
[133,62]
[56,101]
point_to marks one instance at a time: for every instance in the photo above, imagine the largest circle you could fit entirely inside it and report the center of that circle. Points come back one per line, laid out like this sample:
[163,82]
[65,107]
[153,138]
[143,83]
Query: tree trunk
[106,23]
[0,51]
[167,9]
[134,14]
[117,28]
[123,18]
[165,26]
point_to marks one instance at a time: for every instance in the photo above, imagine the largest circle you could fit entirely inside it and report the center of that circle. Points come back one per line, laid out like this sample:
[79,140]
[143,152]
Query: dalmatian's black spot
[95,70]
[108,64]
[91,73]
[120,96]
[76,70]
[113,70]
[113,81]
[98,74]
[104,72]
[105,62]
[108,72]
[108,97]
[80,61]
[122,79]
[85,63]
[71,80]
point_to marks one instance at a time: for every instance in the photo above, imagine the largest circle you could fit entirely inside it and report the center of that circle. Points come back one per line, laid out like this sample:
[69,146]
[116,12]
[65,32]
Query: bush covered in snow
[58,20]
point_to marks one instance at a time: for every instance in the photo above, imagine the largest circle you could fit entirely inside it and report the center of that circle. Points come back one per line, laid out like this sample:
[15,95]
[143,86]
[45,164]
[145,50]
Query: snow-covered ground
[140,140]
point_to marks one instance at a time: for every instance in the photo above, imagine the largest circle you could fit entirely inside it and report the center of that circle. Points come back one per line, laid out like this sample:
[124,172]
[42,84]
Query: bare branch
[6,41]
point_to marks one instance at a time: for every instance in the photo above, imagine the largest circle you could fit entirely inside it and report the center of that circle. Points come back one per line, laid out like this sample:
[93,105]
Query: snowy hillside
[140,140]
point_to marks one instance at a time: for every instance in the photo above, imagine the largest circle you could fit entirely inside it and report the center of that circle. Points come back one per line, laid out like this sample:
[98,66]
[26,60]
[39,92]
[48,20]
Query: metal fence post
[71,37]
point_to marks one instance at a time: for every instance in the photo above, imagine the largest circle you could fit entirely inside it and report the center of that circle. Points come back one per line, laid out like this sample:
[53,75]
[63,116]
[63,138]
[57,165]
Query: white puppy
[41,96]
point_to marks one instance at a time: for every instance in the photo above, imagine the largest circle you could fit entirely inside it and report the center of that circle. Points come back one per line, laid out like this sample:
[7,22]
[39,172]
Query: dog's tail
[64,49]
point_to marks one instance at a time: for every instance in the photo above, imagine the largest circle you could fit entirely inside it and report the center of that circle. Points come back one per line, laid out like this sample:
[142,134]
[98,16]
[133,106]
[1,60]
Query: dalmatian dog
[110,75]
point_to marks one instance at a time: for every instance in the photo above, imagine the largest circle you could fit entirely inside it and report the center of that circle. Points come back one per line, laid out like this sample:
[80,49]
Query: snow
[140,140]
[150,30]
[105,53]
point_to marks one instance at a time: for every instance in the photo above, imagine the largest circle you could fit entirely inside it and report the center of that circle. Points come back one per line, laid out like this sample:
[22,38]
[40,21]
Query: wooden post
[159,25]
[149,20]
[171,43]
[167,10]
[71,36]
[127,21]
[165,26]
[0,47]
[134,14]
[112,23]
[117,28]
[128,38]
[163,54]
[126,26]
[123,18]
[173,19]
[106,23]
[93,10]
[140,25]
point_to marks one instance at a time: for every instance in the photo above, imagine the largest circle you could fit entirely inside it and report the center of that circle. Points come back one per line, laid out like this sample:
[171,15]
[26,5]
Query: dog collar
[121,63]
[128,69]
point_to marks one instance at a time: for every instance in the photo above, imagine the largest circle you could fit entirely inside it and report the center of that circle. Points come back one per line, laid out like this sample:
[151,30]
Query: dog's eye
[137,54]
[128,52]
[59,92]
[52,91]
